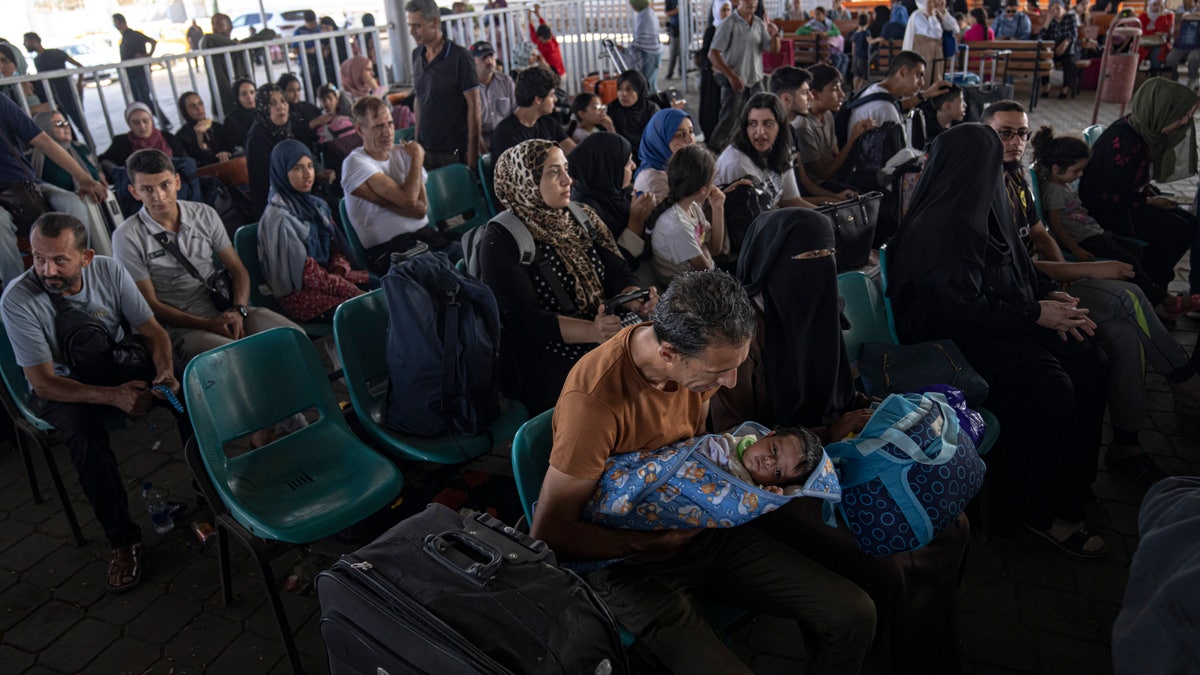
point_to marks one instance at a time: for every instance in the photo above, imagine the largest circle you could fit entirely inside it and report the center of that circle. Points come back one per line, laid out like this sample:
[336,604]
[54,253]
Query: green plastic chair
[32,429]
[357,254]
[454,202]
[1090,134]
[887,302]
[487,178]
[298,489]
[405,134]
[864,310]
[245,242]
[360,328]
[1035,188]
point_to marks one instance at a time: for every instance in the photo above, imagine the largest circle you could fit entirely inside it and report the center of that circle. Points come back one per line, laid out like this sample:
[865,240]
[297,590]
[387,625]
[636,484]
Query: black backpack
[526,250]
[93,356]
[742,205]
[443,349]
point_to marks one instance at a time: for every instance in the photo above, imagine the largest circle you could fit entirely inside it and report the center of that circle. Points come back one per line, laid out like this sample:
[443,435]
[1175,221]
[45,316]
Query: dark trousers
[731,111]
[139,88]
[1167,233]
[1049,396]
[914,592]
[748,569]
[1108,245]
[83,426]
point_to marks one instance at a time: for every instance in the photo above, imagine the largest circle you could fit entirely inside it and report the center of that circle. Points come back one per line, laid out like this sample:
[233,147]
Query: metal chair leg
[29,470]
[285,630]
[223,564]
[62,493]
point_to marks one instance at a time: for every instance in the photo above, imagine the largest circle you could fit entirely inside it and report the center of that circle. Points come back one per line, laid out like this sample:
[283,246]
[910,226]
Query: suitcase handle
[479,572]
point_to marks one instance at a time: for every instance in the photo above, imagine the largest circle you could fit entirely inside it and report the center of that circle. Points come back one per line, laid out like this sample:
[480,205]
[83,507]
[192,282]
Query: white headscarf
[716,10]
[1154,10]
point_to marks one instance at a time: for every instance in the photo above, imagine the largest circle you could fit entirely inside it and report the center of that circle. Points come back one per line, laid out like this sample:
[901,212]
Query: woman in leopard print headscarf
[552,309]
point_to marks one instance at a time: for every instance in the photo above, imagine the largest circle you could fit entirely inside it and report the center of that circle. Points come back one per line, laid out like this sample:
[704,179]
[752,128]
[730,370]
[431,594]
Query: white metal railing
[579,26]
[182,67]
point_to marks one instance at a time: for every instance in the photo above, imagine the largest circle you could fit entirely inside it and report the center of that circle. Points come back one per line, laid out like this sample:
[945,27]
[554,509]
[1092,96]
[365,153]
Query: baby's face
[775,460]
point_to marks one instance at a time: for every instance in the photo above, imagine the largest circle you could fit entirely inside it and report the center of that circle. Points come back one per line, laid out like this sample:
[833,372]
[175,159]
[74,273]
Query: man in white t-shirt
[385,197]
[900,91]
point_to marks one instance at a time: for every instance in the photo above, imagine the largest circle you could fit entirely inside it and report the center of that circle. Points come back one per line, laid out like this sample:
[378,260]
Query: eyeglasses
[62,123]
[1007,134]
[600,107]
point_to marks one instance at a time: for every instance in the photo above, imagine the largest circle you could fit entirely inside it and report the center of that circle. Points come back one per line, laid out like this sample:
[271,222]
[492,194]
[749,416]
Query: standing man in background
[445,91]
[137,45]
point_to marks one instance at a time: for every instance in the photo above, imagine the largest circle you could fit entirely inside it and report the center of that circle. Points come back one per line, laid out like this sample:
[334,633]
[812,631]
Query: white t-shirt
[653,181]
[883,110]
[733,165]
[374,224]
[678,237]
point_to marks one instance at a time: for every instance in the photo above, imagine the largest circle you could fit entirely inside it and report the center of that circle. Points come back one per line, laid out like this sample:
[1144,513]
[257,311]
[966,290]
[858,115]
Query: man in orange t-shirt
[648,386]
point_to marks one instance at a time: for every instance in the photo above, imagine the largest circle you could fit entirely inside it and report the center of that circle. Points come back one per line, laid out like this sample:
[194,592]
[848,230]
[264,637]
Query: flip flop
[1074,544]
[125,564]
[1140,468]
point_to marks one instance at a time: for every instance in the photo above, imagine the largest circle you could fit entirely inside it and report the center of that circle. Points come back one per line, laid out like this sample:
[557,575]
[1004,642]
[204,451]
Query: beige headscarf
[518,186]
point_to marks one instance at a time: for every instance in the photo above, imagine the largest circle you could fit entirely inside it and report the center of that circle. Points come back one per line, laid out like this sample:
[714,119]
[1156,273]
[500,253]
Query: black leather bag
[899,369]
[854,228]
[219,283]
[25,202]
[92,354]
[742,205]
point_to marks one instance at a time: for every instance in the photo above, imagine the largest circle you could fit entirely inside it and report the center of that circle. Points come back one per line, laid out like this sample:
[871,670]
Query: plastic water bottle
[156,505]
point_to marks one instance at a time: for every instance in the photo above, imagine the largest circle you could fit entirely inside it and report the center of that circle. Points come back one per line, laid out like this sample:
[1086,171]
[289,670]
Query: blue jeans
[648,63]
[11,265]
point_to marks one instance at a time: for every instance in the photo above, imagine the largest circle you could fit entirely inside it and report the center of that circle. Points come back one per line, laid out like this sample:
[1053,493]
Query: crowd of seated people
[636,203]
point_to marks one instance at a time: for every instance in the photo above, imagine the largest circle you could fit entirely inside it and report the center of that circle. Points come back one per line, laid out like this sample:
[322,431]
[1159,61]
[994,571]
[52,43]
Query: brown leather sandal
[124,568]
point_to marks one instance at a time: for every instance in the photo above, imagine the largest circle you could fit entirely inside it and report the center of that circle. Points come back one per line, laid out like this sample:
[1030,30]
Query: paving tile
[15,660]
[13,532]
[297,608]
[28,552]
[41,670]
[128,656]
[202,640]
[87,639]
[56,568]
[1059,613]
[19,601]
[1068,655]
[41,627]
[989,640]
[86,587]
[160,621]
[249,653]
[123,608]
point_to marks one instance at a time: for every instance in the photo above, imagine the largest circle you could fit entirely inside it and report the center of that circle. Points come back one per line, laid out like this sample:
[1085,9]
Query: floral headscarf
[518,186]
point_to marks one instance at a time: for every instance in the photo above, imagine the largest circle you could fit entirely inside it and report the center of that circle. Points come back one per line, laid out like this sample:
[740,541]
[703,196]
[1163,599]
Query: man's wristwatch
[243,310]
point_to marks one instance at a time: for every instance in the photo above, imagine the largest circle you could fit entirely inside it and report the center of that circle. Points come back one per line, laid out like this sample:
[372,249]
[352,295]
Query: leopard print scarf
[518,181]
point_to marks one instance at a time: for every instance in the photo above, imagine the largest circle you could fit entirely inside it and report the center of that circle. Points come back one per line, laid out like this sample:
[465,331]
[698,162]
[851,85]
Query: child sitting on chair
[786,456]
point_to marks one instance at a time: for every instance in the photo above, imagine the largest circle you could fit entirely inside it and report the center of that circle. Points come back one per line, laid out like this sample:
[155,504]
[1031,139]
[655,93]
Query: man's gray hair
[426,8]
[701,310]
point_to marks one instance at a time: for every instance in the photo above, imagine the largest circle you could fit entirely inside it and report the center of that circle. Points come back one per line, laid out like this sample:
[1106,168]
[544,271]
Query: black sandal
[1074,544]
[1140,468]
[125,566]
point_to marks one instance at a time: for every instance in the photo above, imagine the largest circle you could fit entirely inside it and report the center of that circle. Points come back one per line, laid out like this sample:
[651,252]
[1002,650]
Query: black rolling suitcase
[980,96]
[446,593]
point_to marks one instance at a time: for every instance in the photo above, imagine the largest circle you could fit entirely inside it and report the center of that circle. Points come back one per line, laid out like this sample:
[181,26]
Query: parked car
[283,23]
[90,57]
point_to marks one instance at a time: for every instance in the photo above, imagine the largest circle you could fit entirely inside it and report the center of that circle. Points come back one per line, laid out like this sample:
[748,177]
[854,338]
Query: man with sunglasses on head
[1012,24]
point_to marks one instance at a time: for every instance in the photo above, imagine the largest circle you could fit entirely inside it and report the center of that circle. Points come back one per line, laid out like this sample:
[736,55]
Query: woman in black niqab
[957,269]
[788,258]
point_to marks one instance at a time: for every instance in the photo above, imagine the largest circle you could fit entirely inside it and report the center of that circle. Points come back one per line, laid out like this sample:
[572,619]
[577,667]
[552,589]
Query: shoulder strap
[582,218]
[527,253]
[869,98]
[525,246]
[170,246]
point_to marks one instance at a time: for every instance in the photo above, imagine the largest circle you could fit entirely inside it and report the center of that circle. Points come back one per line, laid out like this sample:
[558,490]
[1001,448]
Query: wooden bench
[807,50]
[1030,59]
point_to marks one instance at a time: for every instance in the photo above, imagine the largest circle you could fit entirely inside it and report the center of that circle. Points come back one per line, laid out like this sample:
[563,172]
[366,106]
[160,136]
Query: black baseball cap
[481,49]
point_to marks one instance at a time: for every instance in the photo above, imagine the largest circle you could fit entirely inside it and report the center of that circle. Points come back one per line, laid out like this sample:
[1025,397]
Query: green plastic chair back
[1035,188]
[304,486]
[245,242]
[1090,134]
[360,328]
[15,382]
[405,134]
[357,254]
[530,457]
[454,202]
[487,178]
[864,309]
[887,302]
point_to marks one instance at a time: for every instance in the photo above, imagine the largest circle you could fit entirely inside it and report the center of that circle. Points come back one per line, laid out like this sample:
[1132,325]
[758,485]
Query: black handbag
[25,202]
[742,205]
[899,369]
[854,228]
[91,353]
[219,283]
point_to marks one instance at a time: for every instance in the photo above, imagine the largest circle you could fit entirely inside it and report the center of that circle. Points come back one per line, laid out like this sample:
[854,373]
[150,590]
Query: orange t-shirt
[607,407]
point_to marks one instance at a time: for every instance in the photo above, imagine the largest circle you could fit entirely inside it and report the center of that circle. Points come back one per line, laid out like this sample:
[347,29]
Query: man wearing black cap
[497,98]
